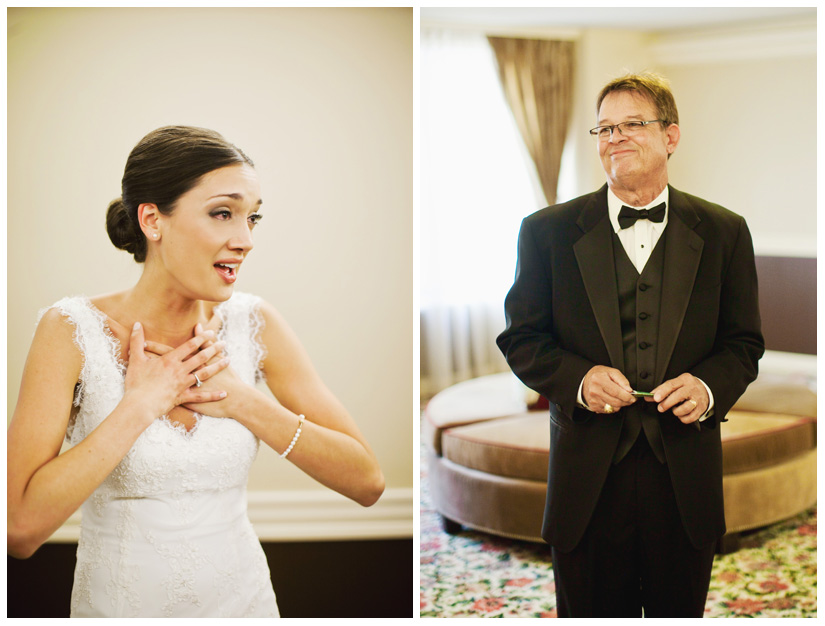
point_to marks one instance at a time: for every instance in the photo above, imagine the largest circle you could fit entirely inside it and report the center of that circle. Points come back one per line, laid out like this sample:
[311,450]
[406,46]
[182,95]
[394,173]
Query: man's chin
[621,176]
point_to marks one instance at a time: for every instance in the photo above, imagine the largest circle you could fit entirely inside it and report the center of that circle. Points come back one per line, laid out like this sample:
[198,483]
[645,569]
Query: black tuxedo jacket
[563,318]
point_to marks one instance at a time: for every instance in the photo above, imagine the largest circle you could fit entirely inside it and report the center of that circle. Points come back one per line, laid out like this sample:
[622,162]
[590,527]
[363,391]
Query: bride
[154,389]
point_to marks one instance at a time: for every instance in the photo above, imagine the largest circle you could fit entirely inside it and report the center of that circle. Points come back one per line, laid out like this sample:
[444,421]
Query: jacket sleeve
[528,342]
[738,346]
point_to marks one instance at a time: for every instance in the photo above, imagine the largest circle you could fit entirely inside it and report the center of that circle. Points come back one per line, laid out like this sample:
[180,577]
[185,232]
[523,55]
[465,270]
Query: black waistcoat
[640,297]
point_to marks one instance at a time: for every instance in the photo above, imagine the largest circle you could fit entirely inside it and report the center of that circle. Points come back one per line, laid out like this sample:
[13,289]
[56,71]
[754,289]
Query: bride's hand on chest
[158,383]
[236,390]
[213,379]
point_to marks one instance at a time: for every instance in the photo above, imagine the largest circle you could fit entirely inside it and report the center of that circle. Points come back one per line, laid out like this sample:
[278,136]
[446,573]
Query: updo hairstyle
[163,166]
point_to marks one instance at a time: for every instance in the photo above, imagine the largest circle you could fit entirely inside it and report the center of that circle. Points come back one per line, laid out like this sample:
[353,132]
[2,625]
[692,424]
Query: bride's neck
[166,316]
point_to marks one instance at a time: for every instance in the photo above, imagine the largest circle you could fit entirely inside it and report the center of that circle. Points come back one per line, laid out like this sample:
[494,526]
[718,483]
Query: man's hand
[606,390]
[685,394]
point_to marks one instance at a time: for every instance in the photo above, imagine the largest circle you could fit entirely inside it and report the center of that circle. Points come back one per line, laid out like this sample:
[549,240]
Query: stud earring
[155,236]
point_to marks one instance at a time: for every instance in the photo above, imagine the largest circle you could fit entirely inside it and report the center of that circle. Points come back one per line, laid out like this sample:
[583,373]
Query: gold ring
[608,408]
[693,402]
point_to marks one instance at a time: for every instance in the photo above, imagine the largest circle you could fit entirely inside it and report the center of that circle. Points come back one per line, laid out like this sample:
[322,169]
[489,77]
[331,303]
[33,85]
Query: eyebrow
[234,196]
[633,117]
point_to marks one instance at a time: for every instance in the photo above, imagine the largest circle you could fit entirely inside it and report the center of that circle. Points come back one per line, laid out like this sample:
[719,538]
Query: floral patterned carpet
[474,574]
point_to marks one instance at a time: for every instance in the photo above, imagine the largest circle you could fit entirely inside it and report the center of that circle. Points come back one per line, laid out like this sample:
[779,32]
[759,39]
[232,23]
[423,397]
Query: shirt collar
[614,205]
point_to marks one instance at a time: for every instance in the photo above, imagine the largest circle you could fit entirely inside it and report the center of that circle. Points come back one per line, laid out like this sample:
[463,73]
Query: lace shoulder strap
[241,326]
[91,336]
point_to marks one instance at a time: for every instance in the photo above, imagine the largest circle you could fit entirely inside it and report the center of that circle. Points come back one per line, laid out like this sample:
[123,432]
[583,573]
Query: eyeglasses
[628,129]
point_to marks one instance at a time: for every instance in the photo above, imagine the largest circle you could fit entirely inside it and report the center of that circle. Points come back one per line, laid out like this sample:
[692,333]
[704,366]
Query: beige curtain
[537,76]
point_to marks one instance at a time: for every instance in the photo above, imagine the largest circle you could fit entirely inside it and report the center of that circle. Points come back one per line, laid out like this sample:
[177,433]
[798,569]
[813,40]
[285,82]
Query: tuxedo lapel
[683,251]
[594,254]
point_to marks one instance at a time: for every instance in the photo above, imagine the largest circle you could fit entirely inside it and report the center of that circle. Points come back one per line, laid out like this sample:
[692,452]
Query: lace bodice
[166,533]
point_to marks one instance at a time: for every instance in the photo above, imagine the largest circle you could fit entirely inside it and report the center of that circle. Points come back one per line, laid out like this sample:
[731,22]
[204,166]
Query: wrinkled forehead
[626,104]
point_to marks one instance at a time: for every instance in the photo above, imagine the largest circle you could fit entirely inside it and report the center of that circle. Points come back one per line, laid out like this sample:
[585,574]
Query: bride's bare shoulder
[54,342]
[108,301]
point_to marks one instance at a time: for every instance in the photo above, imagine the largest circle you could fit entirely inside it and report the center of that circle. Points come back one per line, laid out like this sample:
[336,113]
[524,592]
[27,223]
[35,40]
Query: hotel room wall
[749,144]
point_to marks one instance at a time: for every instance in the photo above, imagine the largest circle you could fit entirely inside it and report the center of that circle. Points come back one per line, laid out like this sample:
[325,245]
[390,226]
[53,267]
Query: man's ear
[148,216]
[674,134]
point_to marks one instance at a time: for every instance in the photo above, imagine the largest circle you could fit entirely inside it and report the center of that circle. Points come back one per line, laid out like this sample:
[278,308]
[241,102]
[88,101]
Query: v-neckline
[117,350]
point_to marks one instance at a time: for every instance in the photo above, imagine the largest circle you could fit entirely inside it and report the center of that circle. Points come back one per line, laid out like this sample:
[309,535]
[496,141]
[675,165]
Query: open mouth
[227,271]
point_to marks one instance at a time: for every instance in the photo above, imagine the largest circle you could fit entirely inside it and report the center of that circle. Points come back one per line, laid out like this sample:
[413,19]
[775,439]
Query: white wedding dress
[167,533]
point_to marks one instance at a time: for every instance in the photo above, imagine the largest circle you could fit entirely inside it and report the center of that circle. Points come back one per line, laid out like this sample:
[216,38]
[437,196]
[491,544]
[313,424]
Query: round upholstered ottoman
[488,457]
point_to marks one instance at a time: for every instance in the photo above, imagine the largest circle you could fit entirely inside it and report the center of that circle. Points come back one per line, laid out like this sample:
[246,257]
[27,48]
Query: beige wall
[749,143]
[320,99]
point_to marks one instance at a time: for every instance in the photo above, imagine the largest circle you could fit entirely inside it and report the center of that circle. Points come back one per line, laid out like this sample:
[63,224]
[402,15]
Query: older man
[634,311]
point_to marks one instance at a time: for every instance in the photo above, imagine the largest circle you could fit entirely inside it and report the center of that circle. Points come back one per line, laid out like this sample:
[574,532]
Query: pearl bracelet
[295,438]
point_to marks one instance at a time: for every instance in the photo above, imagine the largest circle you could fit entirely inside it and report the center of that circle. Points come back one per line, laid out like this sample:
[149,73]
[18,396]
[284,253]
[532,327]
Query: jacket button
[643,287]
[644,345]
[643,316]
[643,375]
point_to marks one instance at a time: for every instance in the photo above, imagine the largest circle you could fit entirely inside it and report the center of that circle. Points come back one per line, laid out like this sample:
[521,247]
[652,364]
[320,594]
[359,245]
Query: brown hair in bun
[163,166]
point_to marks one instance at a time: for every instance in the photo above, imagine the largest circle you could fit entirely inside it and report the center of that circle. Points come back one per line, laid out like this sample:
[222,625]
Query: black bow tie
[628,216]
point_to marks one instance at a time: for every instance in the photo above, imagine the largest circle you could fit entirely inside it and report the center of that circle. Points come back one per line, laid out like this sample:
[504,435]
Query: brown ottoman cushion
[472,401]
[488,456]
[515,447]
[518,446]
[754,441]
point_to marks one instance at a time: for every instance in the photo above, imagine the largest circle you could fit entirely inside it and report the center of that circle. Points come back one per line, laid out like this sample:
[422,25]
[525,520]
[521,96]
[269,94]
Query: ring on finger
[693,402]
[608,408]
[198,382]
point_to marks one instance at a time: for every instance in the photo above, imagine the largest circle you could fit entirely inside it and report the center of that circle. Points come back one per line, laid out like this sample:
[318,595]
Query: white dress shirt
[640,239]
